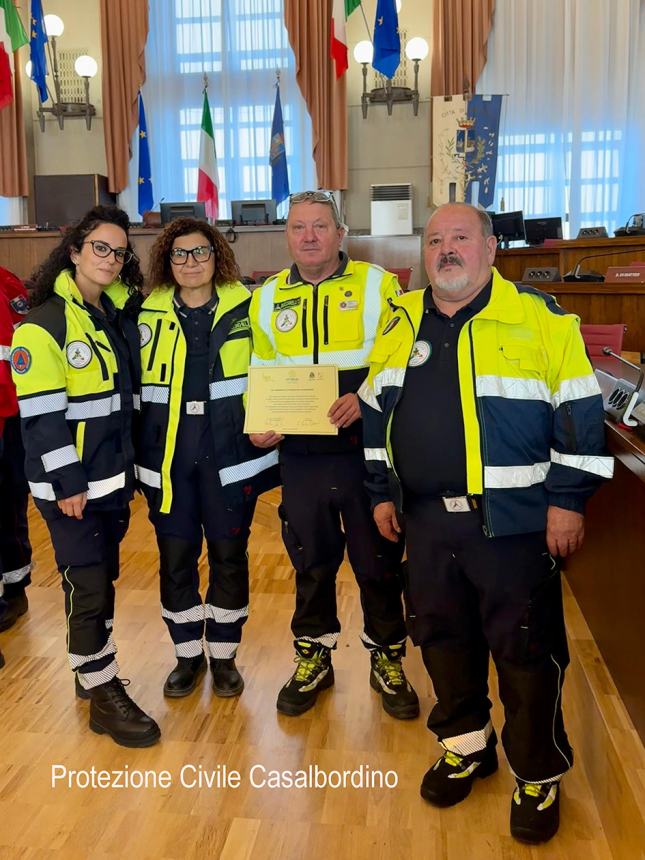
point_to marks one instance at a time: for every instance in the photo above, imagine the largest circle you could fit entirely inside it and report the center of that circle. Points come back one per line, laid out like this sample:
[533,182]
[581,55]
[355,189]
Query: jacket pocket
[526,357]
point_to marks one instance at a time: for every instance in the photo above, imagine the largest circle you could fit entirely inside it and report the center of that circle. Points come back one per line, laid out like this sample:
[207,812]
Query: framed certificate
[291,399]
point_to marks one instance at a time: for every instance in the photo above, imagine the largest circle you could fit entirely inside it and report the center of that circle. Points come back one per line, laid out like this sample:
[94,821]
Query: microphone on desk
[626,418]
[576,274]
[637,228]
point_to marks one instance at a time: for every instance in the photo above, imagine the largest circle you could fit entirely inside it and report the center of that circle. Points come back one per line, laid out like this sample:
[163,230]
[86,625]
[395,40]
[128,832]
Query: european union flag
[38,39]
[145,174]
[387,44]
[278,154]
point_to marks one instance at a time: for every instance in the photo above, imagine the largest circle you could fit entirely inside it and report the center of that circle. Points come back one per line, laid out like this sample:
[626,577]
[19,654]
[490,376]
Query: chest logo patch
[20,305]
[421,352]
[79,354]
[20,359]
[286,320]
[145,334]
[348,305]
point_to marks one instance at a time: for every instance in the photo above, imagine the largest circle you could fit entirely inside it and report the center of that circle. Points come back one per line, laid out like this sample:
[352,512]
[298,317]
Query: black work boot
[79,689]
[184,677]
[451,777]
[16,605]
[388,678]
[314,673]
[535,811]
[114,713]
[227,681]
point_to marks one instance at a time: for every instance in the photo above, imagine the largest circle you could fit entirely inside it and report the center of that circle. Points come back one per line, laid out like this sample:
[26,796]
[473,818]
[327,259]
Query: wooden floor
[44,725]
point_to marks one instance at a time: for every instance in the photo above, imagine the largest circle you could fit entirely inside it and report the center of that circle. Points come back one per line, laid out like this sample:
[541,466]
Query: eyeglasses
[316,197]
[200,254]
[103,250]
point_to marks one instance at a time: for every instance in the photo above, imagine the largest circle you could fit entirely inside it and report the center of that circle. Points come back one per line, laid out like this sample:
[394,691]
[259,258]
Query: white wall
[75,149]
[386,148]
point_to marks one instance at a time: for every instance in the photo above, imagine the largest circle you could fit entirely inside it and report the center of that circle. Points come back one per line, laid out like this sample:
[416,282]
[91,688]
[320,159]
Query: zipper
[155,344]
[314,321]
[488,531]
[571,429]
[99,358]
[305,339]
[326,320]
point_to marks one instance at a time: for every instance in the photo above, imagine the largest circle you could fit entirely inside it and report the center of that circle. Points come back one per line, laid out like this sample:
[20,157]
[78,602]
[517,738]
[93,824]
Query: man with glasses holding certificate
[325,310]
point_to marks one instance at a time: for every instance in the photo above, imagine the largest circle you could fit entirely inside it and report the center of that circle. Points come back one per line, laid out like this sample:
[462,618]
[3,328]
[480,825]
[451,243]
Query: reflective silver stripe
[148,477]
[42,405]
[88,680]
[98,489]
[513,388]
[155,393]
[602,466]
[262,362]
[11,576]
[389,376]
[267,293]
[76,660]
[576,389]
[227,388]
[95,489]
[59,457]
[243,471]
[327,639]
[505,477]
[189,649]
[367,396]
[470,742]
[345,358]
[185,616]
[379,454]
[222,650]
[84,410]
[224,616]
[136,401]
[372,305]
[5,352]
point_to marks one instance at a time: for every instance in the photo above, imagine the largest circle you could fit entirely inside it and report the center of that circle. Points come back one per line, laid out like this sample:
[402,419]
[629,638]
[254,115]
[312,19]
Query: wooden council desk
[607,576]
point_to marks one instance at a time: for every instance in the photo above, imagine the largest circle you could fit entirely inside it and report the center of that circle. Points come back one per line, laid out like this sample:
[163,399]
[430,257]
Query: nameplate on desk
[625,275]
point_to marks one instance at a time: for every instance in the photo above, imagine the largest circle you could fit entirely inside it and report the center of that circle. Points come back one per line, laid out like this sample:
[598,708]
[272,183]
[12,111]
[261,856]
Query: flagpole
[367,26]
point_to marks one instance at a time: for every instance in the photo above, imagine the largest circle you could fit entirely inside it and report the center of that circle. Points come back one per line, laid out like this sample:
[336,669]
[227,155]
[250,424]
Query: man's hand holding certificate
[295,399]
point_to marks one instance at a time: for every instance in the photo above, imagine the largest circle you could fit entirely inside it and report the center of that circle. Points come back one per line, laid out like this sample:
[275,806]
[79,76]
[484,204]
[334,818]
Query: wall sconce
[85,67]
[416,50]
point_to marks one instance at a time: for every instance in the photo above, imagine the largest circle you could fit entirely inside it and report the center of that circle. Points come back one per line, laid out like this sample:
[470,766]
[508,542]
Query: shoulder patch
[145,334]
[392,323]
[20,359]
[20,305]
[79,354]
[240,325]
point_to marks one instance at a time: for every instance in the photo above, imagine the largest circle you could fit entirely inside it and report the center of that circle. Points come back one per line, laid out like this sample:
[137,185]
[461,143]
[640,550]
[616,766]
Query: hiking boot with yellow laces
[314,673]
[535,811]
[451,777]
[388,678]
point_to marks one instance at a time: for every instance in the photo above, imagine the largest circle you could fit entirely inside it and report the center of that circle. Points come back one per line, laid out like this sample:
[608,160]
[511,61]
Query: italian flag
[12,37]
[208,177]
[340,12]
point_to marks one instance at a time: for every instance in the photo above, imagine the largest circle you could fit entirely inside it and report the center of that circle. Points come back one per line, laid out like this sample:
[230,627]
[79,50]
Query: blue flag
[278,154]
[37,41]
[387,44]
[146,196]
[481,133]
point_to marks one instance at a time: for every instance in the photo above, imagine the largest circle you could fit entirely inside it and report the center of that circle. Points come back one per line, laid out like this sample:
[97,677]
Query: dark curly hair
[41,282]
[161,274]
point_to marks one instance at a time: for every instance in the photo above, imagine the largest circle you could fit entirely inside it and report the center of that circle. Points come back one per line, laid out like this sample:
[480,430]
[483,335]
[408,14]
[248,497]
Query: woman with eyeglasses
[198,470]
[75,365]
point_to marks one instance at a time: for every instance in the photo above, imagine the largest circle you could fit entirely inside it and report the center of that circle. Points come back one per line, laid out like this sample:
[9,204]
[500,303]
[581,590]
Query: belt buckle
[457,504]
[195,407]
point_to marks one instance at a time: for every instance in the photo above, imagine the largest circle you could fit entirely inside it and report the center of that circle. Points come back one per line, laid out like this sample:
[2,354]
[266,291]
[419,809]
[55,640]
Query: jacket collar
[65,287]
[229,296]
[505,304]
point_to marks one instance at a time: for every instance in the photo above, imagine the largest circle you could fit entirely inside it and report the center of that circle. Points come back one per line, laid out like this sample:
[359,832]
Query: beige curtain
[14,178]
[308,25]
[124,30]
[460,32]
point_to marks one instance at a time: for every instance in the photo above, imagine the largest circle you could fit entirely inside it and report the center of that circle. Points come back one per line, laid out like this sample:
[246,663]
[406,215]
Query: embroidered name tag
[287,303]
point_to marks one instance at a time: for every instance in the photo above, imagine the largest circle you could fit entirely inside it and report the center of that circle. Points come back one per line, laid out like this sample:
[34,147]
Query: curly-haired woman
[76,372]
[198,470]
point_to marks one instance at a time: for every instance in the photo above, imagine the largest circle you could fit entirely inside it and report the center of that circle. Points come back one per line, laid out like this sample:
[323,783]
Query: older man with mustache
[483,427]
